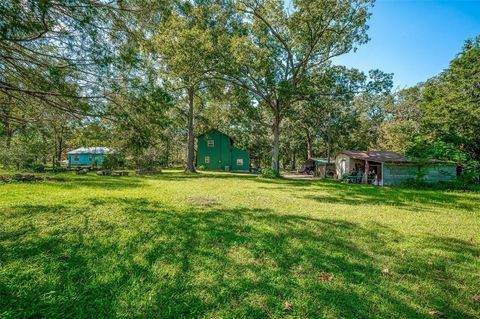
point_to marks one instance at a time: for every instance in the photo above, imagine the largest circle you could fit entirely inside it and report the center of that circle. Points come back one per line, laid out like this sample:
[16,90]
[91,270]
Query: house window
[239,161]
[76,157]
[210,143]
[207,159]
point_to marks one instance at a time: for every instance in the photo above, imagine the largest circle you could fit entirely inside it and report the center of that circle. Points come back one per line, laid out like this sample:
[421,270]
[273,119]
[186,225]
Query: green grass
[216,245]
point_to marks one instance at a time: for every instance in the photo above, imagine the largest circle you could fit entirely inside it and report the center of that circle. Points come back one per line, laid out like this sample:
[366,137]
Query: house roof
[215,130]
[375,156]
[383,156]
[92,150]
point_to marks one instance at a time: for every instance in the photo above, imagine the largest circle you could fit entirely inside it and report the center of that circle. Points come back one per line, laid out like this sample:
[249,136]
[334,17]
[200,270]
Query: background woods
[147,77]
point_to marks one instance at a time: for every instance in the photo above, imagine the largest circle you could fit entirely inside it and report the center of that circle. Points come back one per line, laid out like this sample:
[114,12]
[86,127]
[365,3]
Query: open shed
[319,167]
[390,168]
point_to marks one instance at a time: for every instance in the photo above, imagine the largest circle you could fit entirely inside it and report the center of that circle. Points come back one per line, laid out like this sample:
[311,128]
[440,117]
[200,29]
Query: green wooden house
[216,152]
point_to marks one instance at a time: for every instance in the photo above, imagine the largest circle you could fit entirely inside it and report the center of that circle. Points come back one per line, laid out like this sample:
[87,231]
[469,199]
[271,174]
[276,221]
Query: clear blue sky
[415,39]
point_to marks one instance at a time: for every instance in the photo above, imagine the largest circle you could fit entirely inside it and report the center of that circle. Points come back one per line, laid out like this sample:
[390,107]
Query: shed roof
[383,156]
[375,156]
[92,150]
[319,160]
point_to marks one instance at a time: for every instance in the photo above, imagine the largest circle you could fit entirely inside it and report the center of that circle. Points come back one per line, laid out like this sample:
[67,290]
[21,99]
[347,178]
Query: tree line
[146,77]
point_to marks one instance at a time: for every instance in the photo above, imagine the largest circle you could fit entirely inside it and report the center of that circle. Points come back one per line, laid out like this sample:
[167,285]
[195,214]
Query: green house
[216,152]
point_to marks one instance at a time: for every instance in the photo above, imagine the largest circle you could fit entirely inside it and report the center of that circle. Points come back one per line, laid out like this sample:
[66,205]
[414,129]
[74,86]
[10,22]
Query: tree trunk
[191,139]
[60,148]
[294,161]
[309,144]
[276,142]
[9,139]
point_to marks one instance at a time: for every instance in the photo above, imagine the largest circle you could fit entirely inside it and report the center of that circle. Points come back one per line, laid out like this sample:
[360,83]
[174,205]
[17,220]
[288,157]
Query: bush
[113,161]
[201,167]
[458,185]
[471,172]
[38,168]
[270,173]
[59,169]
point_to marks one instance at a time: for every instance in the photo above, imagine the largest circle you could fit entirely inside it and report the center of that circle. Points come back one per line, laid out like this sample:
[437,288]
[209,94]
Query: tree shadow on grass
[101,182]
[142,259]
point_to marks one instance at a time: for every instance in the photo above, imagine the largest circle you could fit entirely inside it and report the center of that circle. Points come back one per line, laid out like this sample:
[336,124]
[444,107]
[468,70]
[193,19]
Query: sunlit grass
[216,245]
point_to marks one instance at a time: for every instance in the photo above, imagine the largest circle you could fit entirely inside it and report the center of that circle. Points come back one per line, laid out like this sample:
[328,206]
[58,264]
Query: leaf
[476,297]
[386,272]
[429,261]
[287,306]
[325,277]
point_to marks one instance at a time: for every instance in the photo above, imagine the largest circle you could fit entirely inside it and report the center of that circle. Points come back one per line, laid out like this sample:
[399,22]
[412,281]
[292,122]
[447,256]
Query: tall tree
[274,47]
[451,102]
[184,47]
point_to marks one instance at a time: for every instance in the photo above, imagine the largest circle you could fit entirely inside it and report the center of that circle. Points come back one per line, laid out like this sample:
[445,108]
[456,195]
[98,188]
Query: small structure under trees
[88,156]
[216,152]
[319,167]
[389,168]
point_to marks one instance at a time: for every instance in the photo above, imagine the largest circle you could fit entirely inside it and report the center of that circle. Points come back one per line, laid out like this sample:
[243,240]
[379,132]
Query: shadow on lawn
[146,260]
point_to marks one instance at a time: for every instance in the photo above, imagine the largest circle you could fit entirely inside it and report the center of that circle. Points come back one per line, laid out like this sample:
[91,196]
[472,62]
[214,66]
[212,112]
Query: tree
[402,122]
[184,47]
[273,48]
[350,112]
[450,102]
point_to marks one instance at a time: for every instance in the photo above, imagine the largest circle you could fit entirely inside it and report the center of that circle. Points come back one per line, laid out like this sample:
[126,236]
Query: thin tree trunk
[191,139]
[9,138]
[60,147]
[328,137]
[309,144]
[276,143]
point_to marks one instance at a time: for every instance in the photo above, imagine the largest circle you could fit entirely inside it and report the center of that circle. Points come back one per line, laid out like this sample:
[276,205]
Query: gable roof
[92,150]
[384,156]
[215,130]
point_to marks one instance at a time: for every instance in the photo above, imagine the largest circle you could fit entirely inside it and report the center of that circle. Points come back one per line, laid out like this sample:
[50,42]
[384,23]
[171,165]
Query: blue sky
[415,40]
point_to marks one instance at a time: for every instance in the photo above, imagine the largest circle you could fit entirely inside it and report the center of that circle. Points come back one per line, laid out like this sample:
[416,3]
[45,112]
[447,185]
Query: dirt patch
[202,201]
[300,176]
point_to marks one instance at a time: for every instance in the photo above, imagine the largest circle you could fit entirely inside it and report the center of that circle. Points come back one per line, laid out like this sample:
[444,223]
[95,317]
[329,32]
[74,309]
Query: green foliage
[38,168]
[471,172]
[150,159]
[438,150]
[113,161]
[450,102]
[270,173]
[59,169]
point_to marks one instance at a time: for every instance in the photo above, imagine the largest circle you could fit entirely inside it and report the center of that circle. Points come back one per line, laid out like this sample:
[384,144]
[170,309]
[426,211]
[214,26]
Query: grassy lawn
[218,245]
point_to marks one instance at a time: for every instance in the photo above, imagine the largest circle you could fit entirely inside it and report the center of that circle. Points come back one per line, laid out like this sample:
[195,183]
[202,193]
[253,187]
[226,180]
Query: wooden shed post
[365,176]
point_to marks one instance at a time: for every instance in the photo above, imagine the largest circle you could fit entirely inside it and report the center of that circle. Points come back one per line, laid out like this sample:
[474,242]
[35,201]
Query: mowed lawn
[216,245]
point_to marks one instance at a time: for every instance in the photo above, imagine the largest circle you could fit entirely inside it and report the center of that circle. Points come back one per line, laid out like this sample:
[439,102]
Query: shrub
[59,169]
[270,173]
[458,185]
[471,172]
[113,161]
[38,168]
